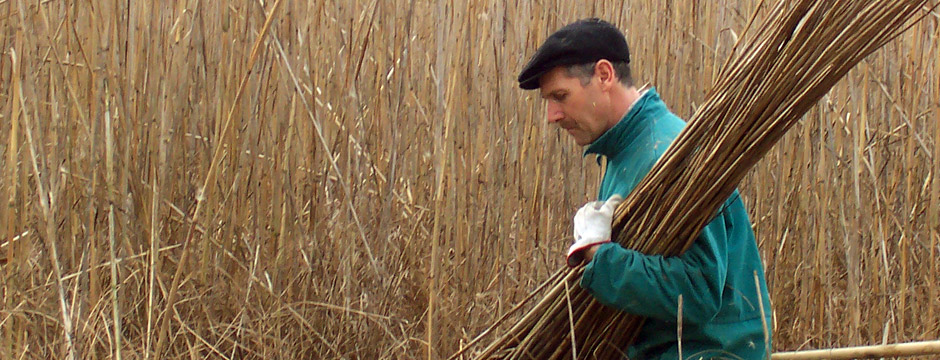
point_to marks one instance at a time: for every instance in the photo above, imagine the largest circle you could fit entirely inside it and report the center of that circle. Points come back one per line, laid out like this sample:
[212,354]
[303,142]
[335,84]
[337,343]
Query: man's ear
[604,71]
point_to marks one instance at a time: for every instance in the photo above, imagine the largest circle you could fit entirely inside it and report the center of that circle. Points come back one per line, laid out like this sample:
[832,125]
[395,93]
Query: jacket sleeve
[650,285]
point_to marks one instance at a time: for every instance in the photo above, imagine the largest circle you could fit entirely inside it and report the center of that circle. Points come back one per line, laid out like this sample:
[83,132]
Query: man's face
[572,106]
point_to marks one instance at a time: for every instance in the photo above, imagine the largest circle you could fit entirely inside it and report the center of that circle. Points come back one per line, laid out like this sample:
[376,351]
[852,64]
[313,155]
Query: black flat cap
[583,41]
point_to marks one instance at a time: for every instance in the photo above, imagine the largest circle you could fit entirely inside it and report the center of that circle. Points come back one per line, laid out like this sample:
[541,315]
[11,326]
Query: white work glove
[592,225]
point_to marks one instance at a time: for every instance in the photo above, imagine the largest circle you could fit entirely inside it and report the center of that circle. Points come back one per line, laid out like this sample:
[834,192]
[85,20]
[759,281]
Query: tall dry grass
[384,190]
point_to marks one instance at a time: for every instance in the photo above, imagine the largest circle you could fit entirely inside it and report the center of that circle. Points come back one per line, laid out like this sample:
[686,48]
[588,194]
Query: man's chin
[582,141]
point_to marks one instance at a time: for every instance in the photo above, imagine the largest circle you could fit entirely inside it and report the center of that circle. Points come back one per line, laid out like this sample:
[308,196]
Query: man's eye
[560,97]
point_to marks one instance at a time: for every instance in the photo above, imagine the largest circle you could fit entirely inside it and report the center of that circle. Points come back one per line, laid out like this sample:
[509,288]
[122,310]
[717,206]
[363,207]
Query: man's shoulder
[664,129]
[667,124]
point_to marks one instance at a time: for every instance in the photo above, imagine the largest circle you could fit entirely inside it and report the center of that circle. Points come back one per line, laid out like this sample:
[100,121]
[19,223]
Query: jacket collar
[615,139]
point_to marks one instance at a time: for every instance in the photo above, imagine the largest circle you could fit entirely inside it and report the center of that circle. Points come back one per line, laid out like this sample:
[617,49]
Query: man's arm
[649,285]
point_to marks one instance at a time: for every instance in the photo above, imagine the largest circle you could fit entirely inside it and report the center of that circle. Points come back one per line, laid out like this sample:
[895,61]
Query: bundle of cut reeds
[801,50]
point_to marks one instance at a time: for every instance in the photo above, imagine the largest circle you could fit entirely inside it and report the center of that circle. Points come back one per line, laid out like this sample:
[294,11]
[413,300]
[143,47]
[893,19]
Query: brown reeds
[338,121]
[797,55]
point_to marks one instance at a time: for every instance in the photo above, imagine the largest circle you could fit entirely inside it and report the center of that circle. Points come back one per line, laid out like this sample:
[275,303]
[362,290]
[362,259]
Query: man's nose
[553,113]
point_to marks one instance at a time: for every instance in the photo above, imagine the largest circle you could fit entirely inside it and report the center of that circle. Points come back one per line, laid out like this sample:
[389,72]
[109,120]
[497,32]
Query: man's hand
[592,225]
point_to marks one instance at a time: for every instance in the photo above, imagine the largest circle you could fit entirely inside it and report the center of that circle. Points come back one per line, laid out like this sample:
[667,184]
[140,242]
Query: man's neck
[622,100]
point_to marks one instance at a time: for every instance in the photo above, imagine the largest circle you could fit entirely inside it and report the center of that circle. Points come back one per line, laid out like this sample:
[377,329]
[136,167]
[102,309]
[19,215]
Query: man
[583,72]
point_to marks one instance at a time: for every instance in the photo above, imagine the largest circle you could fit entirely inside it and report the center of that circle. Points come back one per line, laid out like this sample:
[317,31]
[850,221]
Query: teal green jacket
[721,315]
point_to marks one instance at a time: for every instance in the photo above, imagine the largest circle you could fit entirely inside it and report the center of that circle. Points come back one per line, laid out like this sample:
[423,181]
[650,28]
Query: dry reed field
[364,179]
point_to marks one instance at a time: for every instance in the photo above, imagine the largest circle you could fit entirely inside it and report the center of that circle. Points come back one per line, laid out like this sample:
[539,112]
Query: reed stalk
[919,348]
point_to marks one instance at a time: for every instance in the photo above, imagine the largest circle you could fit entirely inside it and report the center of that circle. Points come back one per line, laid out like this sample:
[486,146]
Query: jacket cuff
[588,276]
